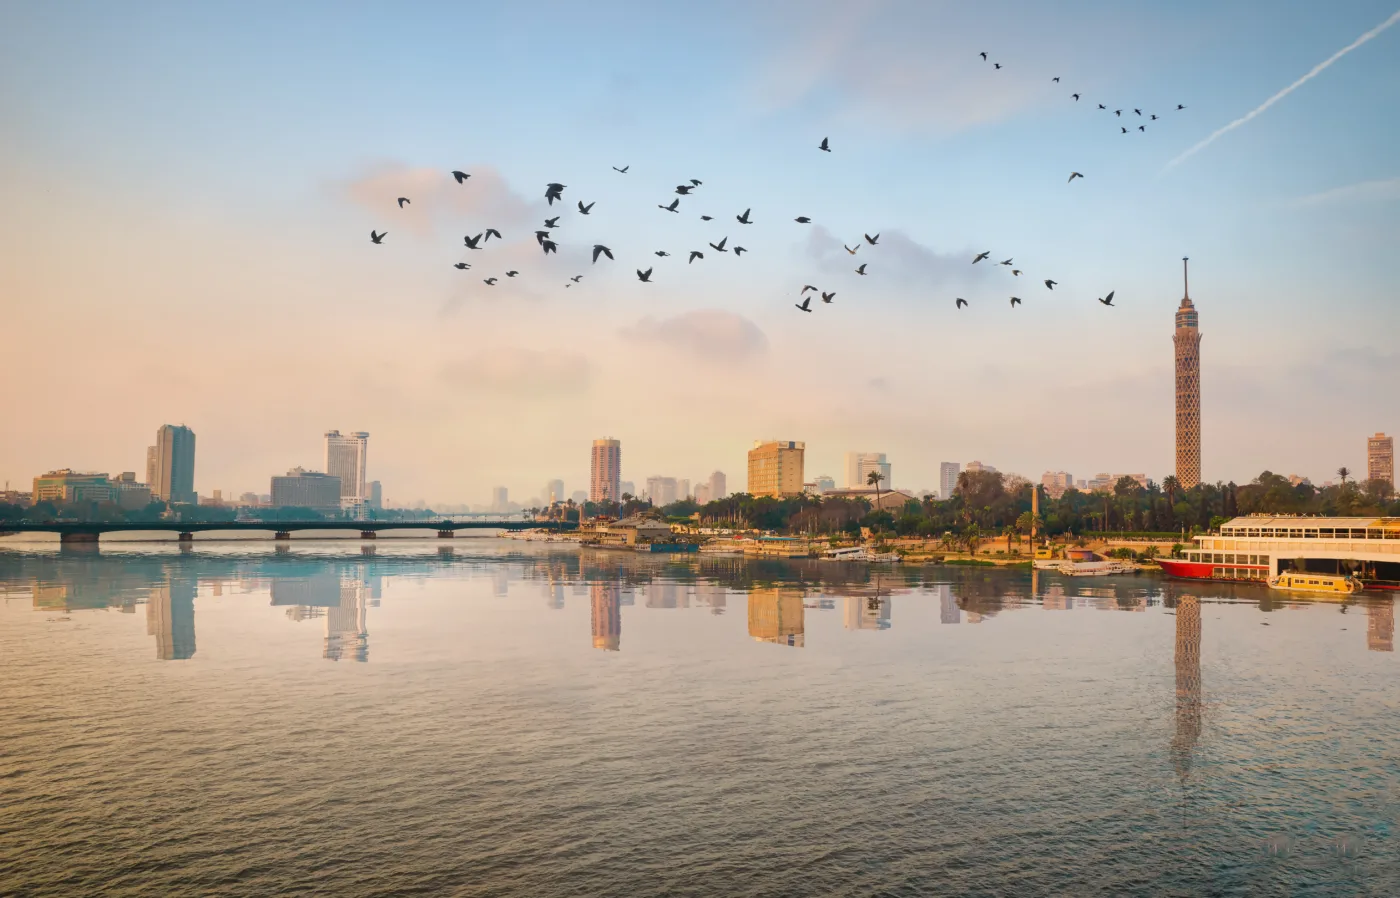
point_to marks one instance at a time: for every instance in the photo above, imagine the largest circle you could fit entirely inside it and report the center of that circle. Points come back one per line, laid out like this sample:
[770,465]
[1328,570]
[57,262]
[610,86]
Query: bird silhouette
[462,266]
[461,176]
[983,55]
[1142,128]
[674,207]
[540,237]
[662,253]
[1138,111]
[1016,272]
[576,278]
[960,302]
[1124,130]
[1076,97]
[872,240]
[1179,106]
[861,269]
[600,250]
[1056,79]
[492,232]
[1015,301]
[1006,262]
[828,297]
[849,250]
[695,254]
[805,305]
[719,247]
[802,219]
[1102,106]
[473,242]
[552,222]
[553,192]
[739,250]
[550,247]
[996,65]
[511,274]
[403,201]
[490,282]
[644,276]
[623,170]
[684,189]
[1118,112]
[584,210]
[807,287]
[744,219]
[1049,284]
[377,238]
[1153,118]
[696,182]
[1073,175]
[981,256]
[824,146]
[1109,300]
[707,218]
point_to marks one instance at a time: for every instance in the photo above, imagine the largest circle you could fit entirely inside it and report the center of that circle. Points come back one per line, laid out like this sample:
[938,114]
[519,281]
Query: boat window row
[1311,533]
[1226,558]
[1240,573]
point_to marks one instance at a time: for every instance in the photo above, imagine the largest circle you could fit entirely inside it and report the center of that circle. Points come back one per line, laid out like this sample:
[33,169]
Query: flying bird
[623,170]
[744,219]
[461,176]
[403,201]
[828,297]
[1056,79]
[1076,97]
[719,247]
[684,189]
[1007,263]
[1138,111]
[983,55]
[662,253]
[674,207]
[1118,112]
[1016,272]
[981,256]
[1125,130]
[473,242]
[805,305]
[644,276]
[824,146]
[600,250]
[996,65]
[377,238]
[511,274]
[492,232]
[550,247]
[802,219]
[576,278]
[1153,118]
[490,282]
[552,222]
[695,254]
[1015,301]
[960,302]
[1049,284]
[707,218]
[540,237]
[861,269]
[738,250]
[849,250]
[1073,175]
[553,192]
[584,210]
[1142,128]
[807,287]
[1179,106]
[696,182]
[462,266]
[1102,106]
[872,240]
[1109,300]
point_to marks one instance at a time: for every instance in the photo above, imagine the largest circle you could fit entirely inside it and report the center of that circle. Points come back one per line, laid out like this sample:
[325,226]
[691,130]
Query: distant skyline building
[1056,483]
[375,497]
[860,464]
[976,467]
[174,469]
[500,499]
[775,468]
[1187,340]
[605,484]
[346,458]
[306,489]
[948,472]
[66,485]
[629,488]
[662,490]
[1380,458]
[683,488]
[702,493]
[719,486]
[553,492]
[823,483]
[152,463]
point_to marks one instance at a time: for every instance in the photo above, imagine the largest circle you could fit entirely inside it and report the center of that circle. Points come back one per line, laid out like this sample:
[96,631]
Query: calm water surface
[507,718]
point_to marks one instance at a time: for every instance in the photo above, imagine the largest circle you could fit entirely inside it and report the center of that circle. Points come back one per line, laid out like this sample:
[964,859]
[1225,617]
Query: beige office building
[775,468]
[346,458]
[605,482]
[1380,458]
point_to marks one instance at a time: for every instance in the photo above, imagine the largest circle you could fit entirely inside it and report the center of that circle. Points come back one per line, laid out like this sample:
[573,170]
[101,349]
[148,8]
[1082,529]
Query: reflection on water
[508,741]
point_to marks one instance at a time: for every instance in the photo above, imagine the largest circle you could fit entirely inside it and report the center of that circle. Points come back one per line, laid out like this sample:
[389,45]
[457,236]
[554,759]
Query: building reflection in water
[1188,683]
[711,595]
[342,599]
[1380,626]
[867,612]
[607,615]
[775,615]
[948,610]
[170,618]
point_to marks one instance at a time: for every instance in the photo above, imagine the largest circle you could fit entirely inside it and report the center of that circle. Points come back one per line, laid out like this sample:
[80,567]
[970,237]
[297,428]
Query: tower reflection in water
[342,599]
[776,615]
[607,615]
[1188,683]
[170,618]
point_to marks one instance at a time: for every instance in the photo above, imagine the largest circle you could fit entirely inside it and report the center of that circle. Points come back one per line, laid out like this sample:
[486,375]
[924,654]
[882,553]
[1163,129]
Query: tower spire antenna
[1185,280]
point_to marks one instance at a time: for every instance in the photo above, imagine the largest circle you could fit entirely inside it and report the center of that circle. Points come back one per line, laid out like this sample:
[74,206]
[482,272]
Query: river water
[508,718]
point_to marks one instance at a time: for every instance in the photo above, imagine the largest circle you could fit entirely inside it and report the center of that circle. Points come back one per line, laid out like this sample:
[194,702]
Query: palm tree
[874,478]
[1169,486]
[1344,472]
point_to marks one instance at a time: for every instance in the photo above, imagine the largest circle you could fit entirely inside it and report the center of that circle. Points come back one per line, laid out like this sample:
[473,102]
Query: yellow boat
[1296,581]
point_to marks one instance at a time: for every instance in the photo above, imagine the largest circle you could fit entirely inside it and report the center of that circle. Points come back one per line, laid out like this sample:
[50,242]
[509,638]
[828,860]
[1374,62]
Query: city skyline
[1299,203]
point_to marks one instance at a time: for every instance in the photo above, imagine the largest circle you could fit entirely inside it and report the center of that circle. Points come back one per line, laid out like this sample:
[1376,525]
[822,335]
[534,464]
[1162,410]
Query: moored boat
[1302,581]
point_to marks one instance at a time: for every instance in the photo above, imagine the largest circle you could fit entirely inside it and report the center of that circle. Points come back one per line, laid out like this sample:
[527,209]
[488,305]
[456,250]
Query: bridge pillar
[77,538]
[445,551]
[369,534]
[282,534]
[186,536]
[447,534]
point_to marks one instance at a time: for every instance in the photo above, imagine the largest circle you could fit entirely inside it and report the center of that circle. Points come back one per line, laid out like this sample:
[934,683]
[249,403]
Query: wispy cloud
[708,334]
[1372,191]
[520,372]
[1316,70]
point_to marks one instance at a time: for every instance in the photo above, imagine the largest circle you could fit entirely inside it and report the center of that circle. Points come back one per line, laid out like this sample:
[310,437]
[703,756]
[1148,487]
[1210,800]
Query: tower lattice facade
[1188,389]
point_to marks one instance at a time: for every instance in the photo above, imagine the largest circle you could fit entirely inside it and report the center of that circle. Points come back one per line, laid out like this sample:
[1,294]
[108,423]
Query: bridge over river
[446,528]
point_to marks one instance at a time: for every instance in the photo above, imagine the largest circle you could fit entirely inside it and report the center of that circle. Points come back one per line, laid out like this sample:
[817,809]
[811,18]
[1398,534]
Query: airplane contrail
[1317,70]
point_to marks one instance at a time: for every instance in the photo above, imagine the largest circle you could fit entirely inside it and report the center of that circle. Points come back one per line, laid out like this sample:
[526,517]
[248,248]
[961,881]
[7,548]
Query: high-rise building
[375,499]
[702,493]
[605,484]
[1380,458]
[662,490]
[719,487]
[683,488]
[1056,483]
[500,499]
[345,458]
[553,492]
[174,470]
[860,464]
[1188,389]
[152,463]
[948,473]
[823,483]
[775,468]
[307,489]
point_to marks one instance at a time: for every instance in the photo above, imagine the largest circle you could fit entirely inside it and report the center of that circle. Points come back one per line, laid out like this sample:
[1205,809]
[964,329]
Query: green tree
[1344,472]
[873,479]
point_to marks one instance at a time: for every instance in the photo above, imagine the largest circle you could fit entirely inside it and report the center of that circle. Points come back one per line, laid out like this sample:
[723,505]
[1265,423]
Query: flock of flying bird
[554,192]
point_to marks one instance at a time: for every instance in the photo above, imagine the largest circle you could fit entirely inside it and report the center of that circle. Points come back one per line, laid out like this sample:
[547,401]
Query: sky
[189,190]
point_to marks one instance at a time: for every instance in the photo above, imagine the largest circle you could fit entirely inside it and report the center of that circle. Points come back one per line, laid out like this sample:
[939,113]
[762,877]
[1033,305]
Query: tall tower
[1188,389]
[174,465]
[346,458]
[605,482]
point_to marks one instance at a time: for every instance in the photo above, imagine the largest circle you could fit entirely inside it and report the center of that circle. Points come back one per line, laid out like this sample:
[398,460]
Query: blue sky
[190,189]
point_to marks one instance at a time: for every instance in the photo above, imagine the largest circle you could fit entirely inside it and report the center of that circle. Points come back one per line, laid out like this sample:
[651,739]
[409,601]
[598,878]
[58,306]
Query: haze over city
[189,192]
